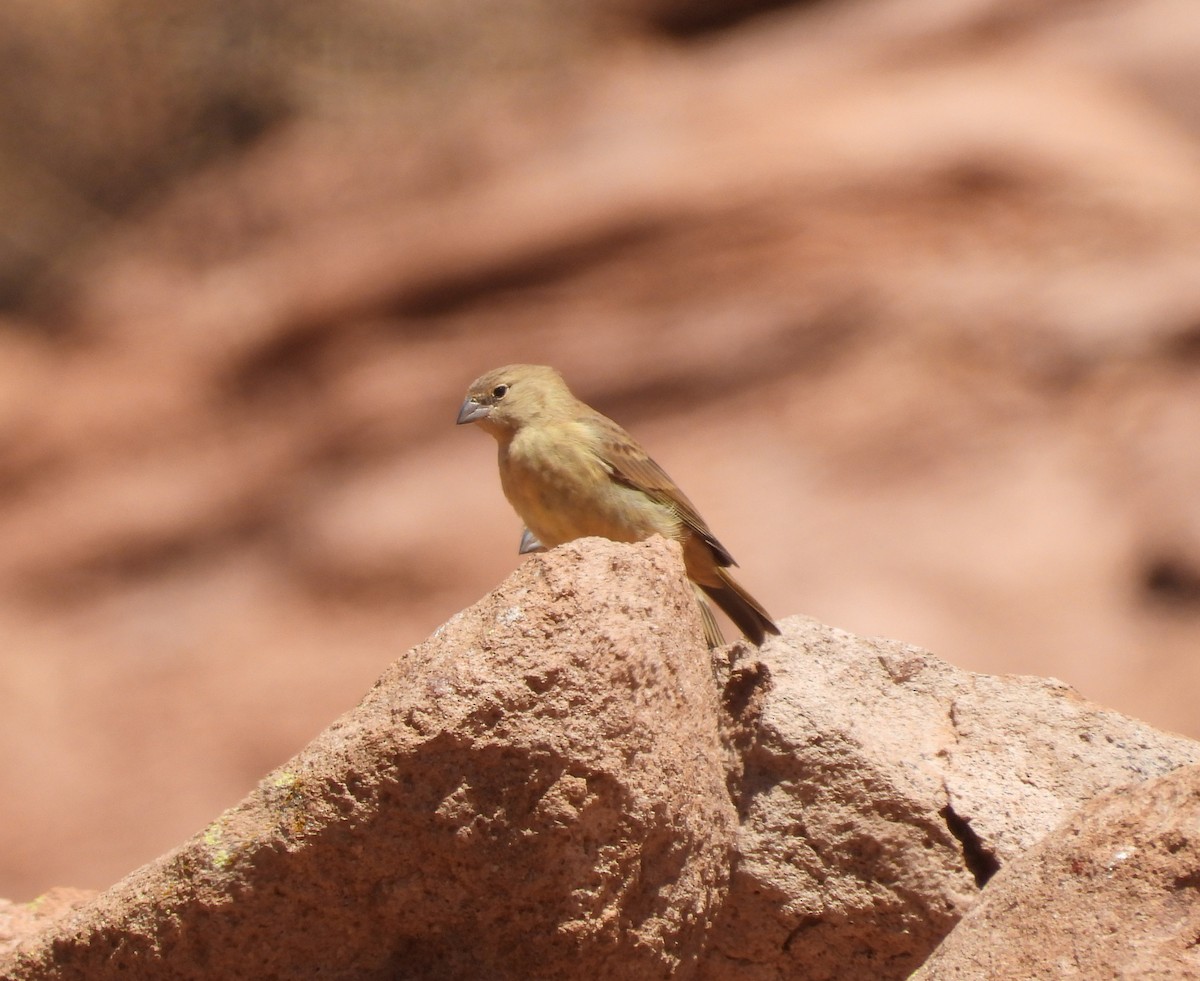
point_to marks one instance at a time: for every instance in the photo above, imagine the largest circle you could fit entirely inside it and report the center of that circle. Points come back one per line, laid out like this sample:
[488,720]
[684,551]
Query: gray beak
[472,412]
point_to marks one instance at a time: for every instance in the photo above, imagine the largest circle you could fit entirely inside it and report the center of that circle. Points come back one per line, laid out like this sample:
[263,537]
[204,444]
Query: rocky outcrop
[879,789]
[561,783]
[1113,893]
[539,782]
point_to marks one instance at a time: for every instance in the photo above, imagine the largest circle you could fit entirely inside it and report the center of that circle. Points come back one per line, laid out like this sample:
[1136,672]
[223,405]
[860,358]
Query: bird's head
[504,400]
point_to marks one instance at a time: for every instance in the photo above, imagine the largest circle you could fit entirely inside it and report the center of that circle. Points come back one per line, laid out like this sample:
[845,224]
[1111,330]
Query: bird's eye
[499,391]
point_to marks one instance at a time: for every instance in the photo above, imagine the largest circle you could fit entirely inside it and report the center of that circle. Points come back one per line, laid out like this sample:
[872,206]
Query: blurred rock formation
[906,295]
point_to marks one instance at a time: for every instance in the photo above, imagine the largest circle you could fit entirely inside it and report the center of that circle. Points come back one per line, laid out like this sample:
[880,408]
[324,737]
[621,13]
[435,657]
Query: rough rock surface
[540,780]
[879,789]
[18,920]
[1112,893]
[560,781]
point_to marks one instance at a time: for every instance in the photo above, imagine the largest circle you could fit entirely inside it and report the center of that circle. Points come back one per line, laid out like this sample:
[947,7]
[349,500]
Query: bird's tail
[742,608]
[712,630]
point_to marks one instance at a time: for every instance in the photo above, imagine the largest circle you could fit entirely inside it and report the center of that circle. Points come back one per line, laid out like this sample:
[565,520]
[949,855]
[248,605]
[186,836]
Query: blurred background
[904,293]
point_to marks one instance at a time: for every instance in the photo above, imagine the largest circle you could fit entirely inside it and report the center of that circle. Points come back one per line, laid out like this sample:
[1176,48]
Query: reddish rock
[538,786]
[562,781]
[1114,892]
[879,790]
[20,920]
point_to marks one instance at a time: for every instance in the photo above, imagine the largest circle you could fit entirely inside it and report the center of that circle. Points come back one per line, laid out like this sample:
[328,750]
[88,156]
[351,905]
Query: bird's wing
[629,464]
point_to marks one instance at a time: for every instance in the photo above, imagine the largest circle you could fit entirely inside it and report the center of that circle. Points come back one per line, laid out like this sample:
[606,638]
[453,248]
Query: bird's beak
[472,411]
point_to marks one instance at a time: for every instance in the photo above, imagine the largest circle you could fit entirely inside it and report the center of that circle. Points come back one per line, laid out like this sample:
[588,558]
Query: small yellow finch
[570,472]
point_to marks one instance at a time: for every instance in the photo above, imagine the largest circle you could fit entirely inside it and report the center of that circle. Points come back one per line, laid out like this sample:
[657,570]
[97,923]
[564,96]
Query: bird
[570,472]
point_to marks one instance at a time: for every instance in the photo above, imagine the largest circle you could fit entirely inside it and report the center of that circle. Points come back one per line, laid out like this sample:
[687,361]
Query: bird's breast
[563,490]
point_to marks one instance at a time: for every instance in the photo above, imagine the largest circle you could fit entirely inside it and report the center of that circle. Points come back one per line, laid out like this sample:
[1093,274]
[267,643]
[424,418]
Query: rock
[539,785]
[1114,892]
[19,920]
[879,789]
[560,782]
